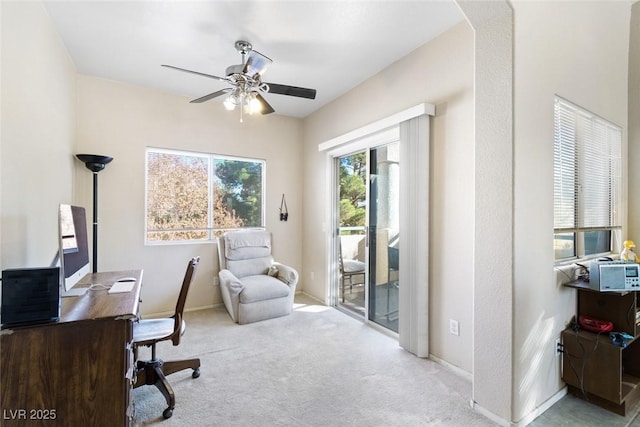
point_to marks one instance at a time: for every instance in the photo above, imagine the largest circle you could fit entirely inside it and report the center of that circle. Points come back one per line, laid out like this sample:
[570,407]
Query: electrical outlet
[216,281]
[454,327]
[312,276]
[558,347]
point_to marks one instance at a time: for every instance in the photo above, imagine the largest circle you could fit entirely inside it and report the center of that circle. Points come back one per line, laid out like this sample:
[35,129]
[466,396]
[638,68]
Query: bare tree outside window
[194,196]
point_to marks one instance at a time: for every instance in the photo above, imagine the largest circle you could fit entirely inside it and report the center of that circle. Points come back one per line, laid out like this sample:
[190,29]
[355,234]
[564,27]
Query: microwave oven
[614,276]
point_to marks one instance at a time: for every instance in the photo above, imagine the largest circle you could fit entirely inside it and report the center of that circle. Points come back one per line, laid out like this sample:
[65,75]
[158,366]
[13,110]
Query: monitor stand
[74,292]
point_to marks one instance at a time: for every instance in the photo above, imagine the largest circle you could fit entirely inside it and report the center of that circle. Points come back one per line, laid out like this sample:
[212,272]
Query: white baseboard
[311,296]
[458,371]
[542,408]
[529,418]
[162,314]
[490,415]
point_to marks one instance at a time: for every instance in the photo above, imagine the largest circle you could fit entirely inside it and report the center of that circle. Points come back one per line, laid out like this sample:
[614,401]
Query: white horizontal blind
[587,170]
[565,155]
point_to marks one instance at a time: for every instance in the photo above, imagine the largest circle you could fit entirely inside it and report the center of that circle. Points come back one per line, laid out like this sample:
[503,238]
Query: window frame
[211,230]
[588,130]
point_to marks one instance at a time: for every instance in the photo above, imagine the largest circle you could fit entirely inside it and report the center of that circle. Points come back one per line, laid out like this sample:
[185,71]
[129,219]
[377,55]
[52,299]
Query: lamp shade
[94,162]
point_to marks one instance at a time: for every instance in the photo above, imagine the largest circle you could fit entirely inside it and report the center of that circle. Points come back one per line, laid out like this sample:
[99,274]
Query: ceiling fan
[247,85]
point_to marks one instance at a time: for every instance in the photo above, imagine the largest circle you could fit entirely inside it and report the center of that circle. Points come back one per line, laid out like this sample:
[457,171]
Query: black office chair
[149,332]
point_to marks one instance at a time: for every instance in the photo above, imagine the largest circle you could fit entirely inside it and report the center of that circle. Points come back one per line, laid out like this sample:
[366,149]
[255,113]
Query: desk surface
[584,286]
[98,303]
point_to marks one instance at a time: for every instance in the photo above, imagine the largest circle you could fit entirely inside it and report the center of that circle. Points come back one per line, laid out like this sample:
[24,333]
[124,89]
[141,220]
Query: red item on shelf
[595,325]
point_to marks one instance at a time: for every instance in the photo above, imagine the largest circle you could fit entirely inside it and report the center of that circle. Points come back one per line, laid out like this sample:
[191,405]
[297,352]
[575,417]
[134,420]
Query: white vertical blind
[413,328]
[587,170]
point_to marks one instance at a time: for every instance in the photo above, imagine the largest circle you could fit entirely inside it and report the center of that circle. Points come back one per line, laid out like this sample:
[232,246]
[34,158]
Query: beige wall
[49,113]
[38,116]
[440,73]
[578,50]
[40,123]
[541,308]
[120,121]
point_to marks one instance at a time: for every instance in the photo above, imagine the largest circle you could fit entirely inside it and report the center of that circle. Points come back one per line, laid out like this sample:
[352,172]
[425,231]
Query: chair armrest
[230,288]
[287,274]
[230,281]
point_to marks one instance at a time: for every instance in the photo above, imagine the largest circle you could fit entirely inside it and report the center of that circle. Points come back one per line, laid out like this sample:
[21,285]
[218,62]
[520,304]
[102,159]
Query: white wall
[441,73]
[120,120]
[634,124]
[38,95]
[493,360]
[578,50]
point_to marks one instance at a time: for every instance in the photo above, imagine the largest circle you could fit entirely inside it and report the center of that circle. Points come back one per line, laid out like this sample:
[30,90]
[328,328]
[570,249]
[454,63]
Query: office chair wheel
[196,373]
[167,413]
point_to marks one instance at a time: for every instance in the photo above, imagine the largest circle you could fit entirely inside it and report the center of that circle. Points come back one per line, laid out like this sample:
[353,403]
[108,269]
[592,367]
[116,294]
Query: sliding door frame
[414,125]
[361,145]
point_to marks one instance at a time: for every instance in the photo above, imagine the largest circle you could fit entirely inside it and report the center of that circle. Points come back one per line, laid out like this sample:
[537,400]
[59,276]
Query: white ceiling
[331,46]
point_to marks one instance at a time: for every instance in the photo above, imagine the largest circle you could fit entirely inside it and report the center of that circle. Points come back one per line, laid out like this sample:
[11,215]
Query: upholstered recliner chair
[253,286]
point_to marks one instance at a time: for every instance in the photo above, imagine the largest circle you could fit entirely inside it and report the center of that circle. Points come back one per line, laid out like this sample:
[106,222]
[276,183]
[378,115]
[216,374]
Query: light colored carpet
[316,367]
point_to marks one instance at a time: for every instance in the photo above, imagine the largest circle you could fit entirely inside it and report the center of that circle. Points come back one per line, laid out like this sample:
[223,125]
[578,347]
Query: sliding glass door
[368,234]
[393,240]
[352,238]
[384,236]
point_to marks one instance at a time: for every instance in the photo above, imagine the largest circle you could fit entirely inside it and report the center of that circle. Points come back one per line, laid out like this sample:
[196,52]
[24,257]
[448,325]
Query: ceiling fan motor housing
[234,69]
[243,47]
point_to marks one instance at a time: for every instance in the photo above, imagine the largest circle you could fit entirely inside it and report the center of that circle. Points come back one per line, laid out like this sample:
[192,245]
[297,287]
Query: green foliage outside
[353,190]
[239,189]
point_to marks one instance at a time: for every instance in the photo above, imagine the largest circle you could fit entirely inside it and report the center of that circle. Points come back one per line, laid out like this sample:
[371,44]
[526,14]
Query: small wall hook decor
[284,213]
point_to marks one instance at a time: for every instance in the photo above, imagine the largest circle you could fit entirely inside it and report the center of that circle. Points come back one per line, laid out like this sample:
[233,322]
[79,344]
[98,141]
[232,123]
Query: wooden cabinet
[592,366]
[77,371]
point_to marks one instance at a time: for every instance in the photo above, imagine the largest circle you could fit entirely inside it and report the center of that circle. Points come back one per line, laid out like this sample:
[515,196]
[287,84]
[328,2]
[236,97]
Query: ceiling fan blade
[256,63]
[300,92]
[195,72]
[211,96]
[266,108]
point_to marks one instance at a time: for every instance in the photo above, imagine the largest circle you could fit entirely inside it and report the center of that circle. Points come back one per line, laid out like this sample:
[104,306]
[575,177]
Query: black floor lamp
[95,163]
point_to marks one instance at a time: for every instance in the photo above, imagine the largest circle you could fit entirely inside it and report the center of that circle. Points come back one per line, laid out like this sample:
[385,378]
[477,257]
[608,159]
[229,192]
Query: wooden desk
[77,371]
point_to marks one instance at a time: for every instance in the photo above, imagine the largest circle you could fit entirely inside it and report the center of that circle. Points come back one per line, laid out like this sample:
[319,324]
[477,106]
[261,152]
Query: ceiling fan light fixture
[255,106]
[247,101]
[229,103]
[234,99]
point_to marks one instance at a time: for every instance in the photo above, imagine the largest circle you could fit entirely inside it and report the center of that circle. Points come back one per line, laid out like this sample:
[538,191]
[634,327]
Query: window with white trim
[587,182]
[196,196]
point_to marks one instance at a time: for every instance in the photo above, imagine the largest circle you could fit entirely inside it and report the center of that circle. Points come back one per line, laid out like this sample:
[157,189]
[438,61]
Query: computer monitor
[73,248]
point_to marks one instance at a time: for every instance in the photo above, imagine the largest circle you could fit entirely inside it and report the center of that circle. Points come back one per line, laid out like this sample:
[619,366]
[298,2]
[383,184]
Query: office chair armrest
[287,274]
